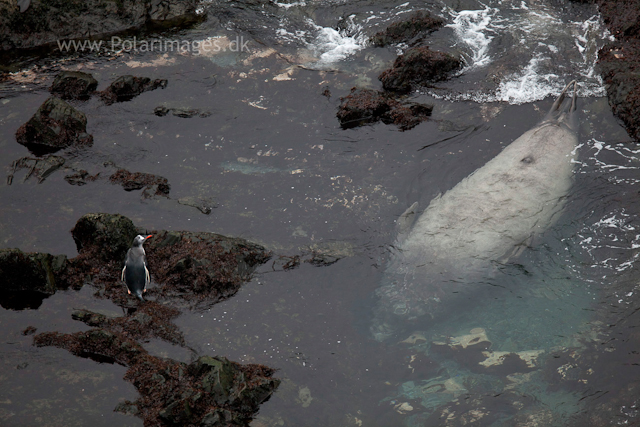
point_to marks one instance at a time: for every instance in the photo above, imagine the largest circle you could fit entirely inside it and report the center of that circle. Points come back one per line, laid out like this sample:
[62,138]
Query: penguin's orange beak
[150,235]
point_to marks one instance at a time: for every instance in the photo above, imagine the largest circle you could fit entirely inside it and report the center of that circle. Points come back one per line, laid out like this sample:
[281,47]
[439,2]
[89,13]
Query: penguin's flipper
[147,278]
[123,270]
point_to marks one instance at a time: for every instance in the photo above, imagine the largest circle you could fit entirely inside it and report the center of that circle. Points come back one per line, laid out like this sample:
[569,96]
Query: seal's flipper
[404,223]
[558,113]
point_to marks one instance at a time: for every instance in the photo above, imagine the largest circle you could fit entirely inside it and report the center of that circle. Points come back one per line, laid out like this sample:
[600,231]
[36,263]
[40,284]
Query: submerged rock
[153,185]
[40,168]
[128,87]
[47,22]
[184,113]
[73,85]
[56,125]
[211,391]
[364,106]
[418,66]
[417,24]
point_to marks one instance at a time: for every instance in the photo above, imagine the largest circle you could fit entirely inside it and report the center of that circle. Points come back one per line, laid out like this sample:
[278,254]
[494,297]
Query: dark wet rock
[31,271]
[211,391]
[29,330]
[619,65]
[418,66]
[49,21]
[285,262]
[201,267]
[80,178]
[195,267]
[184,113]
[73,85]
[56,125]
[416,25]
[104,237]
[38,168]
[128,87]
[619,61]
[204,205]
[364,106]
[153,185]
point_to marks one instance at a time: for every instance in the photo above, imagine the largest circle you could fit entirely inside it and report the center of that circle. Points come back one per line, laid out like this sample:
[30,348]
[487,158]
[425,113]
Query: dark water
[273,161]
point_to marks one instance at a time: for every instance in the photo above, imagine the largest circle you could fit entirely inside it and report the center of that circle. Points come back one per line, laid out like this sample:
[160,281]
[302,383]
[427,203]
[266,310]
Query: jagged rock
[73,85]
[364,106]
[153,185]
[128,87]
[212,391]
[56,125]
[418,66]
[49,22]
[184,113]
[417,24]
[40,168]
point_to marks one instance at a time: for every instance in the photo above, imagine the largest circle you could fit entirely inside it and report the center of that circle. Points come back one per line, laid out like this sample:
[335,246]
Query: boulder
[56,125]
[73,85]
[417,24]
[364,106]
[418,66]
[104,237]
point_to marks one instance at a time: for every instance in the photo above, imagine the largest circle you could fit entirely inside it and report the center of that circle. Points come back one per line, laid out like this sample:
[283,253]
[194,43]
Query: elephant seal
[486,219]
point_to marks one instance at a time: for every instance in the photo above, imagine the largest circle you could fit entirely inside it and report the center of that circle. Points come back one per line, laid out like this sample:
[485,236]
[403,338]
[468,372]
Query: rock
[73,85]
[364,106]
[201,267]
[180,112]
[204,205]
[153,185]
[40,168]
[128,87]
[418,66]
[33,271]
[212,391]
[105,237]
[80,177]
[55,125]
[52,22]
[417,24]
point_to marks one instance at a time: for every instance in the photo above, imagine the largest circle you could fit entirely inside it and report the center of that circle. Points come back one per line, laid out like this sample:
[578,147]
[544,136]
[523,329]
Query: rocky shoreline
[189,269]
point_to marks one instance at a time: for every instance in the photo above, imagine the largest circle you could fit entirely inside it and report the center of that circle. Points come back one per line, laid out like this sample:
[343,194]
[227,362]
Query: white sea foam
[471,28]
[331,45]
[558,50]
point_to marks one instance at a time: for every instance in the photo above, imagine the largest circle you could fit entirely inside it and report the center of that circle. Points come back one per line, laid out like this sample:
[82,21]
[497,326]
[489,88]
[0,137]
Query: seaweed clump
[211,391]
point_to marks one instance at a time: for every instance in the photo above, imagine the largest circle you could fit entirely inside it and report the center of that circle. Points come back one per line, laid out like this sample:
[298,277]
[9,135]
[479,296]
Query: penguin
[135,273]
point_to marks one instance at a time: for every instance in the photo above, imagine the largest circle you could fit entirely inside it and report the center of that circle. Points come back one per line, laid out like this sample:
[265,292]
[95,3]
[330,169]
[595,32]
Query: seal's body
[487,218]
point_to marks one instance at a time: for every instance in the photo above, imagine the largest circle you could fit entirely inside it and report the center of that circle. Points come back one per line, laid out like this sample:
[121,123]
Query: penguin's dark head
[139,240]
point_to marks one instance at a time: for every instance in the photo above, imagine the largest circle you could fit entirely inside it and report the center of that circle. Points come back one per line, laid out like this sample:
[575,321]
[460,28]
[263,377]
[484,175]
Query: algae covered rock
[364,106]
[128,87]
[417,24]
[74,85]
[56,125]
[107,237]
[418,66]
[212,391]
